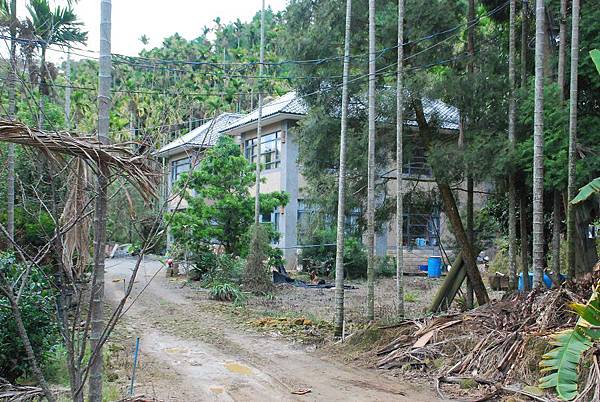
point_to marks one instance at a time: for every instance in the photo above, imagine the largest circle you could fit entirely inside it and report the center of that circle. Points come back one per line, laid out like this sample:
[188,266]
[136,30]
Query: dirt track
[190,353]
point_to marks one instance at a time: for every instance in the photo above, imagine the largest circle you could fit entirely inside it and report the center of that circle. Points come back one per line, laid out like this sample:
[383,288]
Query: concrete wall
[284,178]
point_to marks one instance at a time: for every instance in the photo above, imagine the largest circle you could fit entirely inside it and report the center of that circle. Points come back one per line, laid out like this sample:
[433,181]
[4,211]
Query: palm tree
[371,170]
[58,26]
[339,255]
[399,158]
[512,195]
[8,14]
[538,148]
[571,189]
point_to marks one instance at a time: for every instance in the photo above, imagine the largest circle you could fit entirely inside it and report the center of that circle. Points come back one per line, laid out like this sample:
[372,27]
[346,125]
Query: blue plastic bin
[423,268]
[420,242]
[547,281]
[434,267]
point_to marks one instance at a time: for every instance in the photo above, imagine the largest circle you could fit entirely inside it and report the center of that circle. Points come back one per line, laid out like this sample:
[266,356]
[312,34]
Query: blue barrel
[434,267]
[547,281]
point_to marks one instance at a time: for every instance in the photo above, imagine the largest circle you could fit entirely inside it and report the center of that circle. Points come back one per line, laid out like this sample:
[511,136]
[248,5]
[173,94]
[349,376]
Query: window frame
[274,138]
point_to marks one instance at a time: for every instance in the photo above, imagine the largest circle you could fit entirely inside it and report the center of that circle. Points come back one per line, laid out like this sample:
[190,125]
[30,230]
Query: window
[417,164]
[178,167]
[421,229]
[270,150]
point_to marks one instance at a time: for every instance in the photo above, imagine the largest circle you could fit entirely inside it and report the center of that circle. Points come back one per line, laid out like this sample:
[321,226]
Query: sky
[157,19]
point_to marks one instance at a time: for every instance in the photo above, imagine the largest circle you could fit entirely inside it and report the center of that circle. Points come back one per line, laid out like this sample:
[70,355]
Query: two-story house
[423,228]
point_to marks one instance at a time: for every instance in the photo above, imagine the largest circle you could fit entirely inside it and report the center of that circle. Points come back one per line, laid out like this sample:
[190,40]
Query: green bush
[37,311]
[257,275]
[209,267]
[225,292]
[322,258]
[386,267]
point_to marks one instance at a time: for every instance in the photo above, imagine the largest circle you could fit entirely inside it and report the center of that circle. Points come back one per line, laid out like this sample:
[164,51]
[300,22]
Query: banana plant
[562,362]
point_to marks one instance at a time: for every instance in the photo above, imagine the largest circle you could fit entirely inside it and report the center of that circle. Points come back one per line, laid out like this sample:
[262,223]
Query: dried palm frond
[76,240]
[118,157]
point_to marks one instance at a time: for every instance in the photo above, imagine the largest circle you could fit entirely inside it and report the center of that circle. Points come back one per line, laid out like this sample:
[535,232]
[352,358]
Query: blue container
[547,281]
[420,242]
[434,267]
[423,268]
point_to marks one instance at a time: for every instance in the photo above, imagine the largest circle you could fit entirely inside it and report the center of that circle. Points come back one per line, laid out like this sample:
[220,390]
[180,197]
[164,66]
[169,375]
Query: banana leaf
[562,362]
[587,191]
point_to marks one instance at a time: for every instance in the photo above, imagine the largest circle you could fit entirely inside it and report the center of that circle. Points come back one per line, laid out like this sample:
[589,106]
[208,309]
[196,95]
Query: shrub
[257,277]
[225,292]
[322,258]
[37,312]
[386,267]
[355,259]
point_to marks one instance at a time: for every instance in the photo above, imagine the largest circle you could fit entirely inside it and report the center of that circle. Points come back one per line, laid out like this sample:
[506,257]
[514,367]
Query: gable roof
[203,136]
[289,104]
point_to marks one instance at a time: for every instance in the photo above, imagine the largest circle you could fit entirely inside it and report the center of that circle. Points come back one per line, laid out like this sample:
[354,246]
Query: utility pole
[10,157]
[97,307]
[339,255]
[260,106]
[538,148]
[512,193]
[371,170]
[399,158]
[571,189]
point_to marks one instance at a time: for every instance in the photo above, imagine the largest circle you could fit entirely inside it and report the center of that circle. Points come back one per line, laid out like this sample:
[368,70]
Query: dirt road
[190,353]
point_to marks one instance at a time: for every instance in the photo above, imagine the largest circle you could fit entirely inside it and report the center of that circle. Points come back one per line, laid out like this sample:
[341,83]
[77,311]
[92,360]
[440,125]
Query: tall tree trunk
[339,255]
[512,194]
[524,42]
[371,170]
[556,236]
[470,69]
[10,157]
[562,48]
[556,210]
[259,121]
[571,186]
[399,159]
[538,148]
[68,91]
[523,206]
[524,224]
[97,305]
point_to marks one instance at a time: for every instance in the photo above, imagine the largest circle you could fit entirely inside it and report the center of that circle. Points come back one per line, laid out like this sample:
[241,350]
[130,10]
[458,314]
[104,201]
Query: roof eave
[253,124]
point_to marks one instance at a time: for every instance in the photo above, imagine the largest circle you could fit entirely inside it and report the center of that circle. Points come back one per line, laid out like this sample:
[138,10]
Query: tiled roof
[204,136]
[445,116]
[285,104]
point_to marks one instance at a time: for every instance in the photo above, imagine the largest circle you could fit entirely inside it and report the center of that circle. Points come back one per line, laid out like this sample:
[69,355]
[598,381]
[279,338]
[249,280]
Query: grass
[410,297]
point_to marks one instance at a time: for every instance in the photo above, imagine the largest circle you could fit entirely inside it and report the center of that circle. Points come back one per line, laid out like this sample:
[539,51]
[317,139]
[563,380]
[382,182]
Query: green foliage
[595,55]
[37,312]
[321,258]
[220,206]
[210,267]
[587,191]
[386,267]
[562,362]
[225,292]
[257,276]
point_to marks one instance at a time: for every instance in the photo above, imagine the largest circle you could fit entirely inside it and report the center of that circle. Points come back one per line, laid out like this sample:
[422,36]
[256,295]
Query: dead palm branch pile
[499,343]
[14,393]
[120,157]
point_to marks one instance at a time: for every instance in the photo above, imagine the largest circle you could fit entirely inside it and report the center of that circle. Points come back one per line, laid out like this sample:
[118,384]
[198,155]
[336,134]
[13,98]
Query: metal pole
[135,359]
